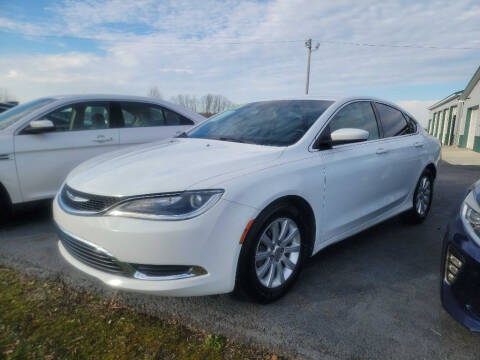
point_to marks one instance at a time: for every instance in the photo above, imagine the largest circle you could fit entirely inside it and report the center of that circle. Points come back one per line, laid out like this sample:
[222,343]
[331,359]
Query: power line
[201,42]
[410,46]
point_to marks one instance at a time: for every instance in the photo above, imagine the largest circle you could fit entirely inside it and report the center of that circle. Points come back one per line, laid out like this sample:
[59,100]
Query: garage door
[473,129]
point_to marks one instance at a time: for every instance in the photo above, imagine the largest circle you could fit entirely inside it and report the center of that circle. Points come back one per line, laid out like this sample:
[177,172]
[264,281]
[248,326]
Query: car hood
[167,166]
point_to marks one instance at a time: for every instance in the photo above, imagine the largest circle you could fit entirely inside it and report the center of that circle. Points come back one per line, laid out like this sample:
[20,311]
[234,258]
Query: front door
[355,185]
[82,131]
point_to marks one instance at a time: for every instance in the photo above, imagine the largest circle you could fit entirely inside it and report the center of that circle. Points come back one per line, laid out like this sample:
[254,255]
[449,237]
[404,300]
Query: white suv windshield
[277,123]
[11,116]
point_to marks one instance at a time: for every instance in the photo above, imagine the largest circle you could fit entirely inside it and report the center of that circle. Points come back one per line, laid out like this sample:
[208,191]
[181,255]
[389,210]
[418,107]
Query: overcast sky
[245,50]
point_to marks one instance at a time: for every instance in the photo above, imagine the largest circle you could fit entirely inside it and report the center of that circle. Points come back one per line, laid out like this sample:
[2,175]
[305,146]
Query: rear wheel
[273,253]
[422,199]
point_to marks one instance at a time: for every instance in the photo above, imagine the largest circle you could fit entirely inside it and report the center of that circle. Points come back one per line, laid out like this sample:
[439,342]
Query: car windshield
[276,123]
[14,114]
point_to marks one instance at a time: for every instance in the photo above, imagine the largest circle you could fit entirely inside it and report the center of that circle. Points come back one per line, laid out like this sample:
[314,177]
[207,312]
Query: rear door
[82,131]
[145,122]
[402,147]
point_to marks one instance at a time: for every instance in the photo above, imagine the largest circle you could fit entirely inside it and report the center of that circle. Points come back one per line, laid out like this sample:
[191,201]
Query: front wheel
[273,254]
[5,210]
[422,199]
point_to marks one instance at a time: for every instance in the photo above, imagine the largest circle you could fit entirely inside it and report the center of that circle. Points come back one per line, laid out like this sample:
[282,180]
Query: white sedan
[243,199]
[43,140]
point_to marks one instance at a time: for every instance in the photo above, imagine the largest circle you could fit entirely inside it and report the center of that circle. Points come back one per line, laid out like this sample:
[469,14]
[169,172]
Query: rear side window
[412,125]
[393,122]
[358,115]
[172,118]
[148,115]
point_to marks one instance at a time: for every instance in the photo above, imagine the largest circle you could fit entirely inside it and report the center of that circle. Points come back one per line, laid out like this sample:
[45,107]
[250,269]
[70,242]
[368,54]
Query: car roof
[103,96]
[334,98]
[341,99]
[115,97]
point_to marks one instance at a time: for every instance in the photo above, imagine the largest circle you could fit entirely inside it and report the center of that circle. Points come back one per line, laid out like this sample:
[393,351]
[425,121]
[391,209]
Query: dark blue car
[461,262]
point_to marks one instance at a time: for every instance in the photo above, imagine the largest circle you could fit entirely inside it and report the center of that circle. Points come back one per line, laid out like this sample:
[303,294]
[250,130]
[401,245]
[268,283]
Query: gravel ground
[373,296]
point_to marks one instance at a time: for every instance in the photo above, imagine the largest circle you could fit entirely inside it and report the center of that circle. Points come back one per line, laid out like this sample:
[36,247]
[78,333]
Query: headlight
[179,206]
[470,214]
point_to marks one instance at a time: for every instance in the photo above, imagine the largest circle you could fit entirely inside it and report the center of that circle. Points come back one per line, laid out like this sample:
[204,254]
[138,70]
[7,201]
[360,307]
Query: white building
[455,120]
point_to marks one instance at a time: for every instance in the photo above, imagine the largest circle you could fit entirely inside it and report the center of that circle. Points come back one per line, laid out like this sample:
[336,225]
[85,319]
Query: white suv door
[145,122]
[82,131]
[355,188]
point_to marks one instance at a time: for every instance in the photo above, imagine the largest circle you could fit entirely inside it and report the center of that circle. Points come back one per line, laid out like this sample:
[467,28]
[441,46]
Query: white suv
[42,140]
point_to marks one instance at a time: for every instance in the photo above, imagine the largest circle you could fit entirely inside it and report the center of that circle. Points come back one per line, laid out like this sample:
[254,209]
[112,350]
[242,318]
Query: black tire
[415,215]
[5,212]
[247,281]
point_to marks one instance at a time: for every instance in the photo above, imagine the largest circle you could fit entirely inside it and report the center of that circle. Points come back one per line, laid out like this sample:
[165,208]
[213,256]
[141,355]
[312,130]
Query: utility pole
[308,45]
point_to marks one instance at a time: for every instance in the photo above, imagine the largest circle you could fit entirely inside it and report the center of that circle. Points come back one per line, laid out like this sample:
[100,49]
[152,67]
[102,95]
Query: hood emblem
[75,198]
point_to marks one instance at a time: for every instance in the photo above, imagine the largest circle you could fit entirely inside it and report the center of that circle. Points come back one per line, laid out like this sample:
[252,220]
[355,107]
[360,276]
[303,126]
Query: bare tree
[207,105]
[189,101]
[154,92]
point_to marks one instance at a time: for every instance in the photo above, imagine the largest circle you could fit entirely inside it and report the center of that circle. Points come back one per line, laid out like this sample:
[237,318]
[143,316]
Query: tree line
[206,105]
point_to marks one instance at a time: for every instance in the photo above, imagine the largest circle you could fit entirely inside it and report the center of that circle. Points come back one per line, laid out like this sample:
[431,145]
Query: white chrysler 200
[243,199]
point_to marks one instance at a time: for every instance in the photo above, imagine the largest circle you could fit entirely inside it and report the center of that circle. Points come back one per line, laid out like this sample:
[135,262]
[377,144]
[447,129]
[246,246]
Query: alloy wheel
[278,252]
[424,192]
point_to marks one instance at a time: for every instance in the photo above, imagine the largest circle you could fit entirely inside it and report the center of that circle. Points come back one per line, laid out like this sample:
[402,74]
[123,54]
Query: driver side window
[80,116]
[358,115]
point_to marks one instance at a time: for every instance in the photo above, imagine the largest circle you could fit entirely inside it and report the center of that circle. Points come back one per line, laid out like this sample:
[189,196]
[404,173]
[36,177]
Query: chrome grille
[83,202]
[98,258]
[90,255]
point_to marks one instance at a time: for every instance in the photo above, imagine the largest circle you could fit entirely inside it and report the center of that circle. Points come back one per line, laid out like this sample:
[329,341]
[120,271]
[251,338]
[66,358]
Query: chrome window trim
[311,149]
[58,107]
[61,103]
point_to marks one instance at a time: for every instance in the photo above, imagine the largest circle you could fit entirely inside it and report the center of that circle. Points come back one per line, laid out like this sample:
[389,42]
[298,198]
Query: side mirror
[348,135]
[340,137]
[39,126]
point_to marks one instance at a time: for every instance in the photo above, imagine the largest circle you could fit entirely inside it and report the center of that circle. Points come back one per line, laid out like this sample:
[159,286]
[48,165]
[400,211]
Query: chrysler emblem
[75,198]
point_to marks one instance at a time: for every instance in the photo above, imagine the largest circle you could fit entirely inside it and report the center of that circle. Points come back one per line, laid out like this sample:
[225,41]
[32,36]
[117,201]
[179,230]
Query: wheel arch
[433,169]
[5,199]
[305,209]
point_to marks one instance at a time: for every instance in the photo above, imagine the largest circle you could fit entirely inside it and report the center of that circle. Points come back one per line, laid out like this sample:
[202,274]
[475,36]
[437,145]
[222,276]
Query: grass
[49,320]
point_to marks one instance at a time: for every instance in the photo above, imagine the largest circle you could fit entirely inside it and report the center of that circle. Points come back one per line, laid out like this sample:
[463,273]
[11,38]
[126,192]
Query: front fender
[8,170]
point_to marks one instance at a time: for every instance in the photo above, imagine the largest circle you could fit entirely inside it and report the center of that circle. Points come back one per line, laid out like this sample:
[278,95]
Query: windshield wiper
[182,135]
[232,139]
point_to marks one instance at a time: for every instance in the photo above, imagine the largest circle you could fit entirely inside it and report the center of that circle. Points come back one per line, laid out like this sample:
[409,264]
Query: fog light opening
[453,265]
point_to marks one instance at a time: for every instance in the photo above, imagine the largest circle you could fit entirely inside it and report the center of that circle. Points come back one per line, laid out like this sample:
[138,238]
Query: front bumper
[209,242]
[461,297]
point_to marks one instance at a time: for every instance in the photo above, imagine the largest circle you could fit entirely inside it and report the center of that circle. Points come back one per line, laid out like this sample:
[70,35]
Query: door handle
[418,144]
[381,151]
[102,139]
